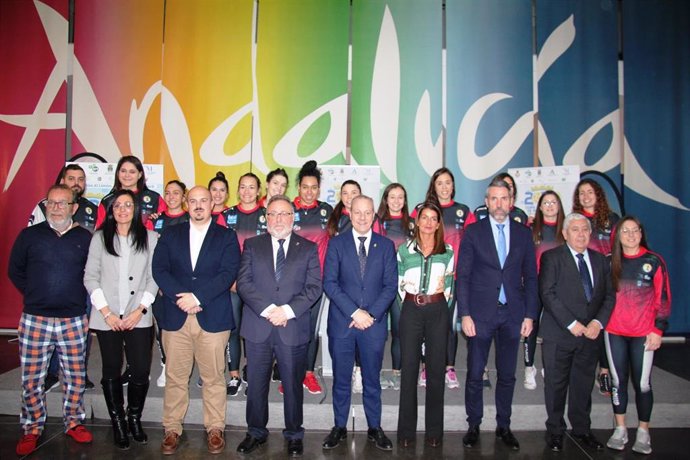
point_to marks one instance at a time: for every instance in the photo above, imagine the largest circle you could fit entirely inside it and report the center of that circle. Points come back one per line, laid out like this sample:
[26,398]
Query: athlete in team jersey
[174,196]
[339,221]
[456,217]
[547,233]
[311,219]
[590,200]
[276,184]
[633,333]
[247,218]
[394,222]
[516,214]
[73,176]
[219,188]
[129,175]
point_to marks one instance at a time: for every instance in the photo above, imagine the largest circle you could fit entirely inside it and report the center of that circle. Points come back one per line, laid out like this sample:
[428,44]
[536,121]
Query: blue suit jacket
[479,273]
[343,283]
[299,287]
[210,281]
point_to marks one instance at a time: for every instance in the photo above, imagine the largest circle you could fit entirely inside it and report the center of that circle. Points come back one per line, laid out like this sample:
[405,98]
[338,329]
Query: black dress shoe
[295,448]
[472,436]
[249,444]
[336,435]
[508,438]
[554,442]
[589,440]
[377,436]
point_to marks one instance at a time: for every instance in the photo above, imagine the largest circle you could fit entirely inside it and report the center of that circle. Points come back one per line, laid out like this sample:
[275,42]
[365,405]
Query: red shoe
[311,384]
[27,444]
[80,434]
[280,389]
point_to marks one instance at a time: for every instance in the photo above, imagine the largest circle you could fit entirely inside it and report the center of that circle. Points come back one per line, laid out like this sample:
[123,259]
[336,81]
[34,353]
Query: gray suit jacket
[103,271]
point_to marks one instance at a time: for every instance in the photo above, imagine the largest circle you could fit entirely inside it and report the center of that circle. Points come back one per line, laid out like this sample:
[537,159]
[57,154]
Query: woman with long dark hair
[220,190]
[634,331]
[247,218]
[393,221]
[119,280]
[426,278]
[547,233]
[456,217]
[339,221]
[130,175]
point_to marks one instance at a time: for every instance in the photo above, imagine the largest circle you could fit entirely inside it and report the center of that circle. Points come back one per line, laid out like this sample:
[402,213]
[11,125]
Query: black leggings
[626,355]
[137,343]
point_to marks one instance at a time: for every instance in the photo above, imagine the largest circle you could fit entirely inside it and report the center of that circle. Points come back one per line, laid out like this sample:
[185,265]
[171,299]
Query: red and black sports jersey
[643,300]
[311,222]
[246,223]
[600,240]
[392,228]
[548,241]
[166,220]
[150,202]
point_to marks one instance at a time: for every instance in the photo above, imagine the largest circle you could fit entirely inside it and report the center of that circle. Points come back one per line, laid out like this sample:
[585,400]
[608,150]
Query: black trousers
[429,325]
[137,344]
[569,368]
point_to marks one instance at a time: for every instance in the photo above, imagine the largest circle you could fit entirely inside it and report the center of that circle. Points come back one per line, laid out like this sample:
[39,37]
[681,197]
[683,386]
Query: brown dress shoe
[216,443]
[170,443]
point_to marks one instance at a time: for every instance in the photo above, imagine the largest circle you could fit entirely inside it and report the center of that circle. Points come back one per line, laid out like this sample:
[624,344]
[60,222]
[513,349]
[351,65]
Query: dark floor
[54,444]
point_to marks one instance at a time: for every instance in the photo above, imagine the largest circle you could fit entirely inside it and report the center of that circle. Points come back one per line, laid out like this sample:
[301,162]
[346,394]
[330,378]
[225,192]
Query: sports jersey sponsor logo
[459,213]
[647,268]
[88,211]
[159,224]
[517,219]
[262,219]
[323,213]
[147,199]
[232,219]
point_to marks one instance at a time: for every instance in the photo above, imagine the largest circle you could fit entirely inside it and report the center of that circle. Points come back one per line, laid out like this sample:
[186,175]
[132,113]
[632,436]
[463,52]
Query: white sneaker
[530,382]
[357,386]
[643,443]
[452,379]
[422,378]
[160,383]
[618,439]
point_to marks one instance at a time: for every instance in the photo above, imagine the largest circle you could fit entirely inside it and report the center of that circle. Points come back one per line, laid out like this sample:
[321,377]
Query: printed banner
[657,94]
[396,90]
[531,183]
[490,119]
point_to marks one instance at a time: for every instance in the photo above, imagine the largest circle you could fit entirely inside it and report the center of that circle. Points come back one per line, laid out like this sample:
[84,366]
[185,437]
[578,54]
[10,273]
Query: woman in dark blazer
[119,280]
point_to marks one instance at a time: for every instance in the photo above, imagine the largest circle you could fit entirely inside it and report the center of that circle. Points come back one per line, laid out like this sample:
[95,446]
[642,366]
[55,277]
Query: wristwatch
[144,310]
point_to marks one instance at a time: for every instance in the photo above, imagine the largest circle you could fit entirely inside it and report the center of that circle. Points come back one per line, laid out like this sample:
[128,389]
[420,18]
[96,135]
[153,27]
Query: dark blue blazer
[299,287]
[343,283]
[479,273]
[210,281]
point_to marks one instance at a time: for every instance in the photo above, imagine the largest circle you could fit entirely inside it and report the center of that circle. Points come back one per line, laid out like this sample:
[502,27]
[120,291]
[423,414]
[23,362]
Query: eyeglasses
[549,203]
[275,215]
[126,204]
[631,231]
[62,204]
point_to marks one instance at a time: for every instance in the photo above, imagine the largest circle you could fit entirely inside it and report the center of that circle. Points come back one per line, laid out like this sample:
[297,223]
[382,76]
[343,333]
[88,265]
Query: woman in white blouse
[119,281]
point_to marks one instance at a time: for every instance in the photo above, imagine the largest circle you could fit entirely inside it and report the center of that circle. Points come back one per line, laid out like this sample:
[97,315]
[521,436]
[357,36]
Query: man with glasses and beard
[279,281]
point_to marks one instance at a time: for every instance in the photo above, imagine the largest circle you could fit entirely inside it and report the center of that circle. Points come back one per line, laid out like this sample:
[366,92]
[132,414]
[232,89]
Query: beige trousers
[191,343]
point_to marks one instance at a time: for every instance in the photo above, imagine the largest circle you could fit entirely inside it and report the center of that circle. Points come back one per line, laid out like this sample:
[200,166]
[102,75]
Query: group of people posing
[198,276]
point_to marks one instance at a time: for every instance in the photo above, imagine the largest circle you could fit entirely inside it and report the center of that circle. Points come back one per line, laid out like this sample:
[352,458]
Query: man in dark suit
[279,281]
[497,300]
[360,278]
[195,264]
[577,294]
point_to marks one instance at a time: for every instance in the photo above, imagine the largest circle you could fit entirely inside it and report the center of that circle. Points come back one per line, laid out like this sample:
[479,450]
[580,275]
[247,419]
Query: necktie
[280,260]
[362,254]
[501,257]
[584,276]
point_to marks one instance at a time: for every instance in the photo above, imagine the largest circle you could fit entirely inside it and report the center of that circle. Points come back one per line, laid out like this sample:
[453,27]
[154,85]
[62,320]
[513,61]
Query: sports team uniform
[150,202]
[643,306]
[393,229]
[246,223]
[600,240]
[166,220]
[311,221]
[516,214]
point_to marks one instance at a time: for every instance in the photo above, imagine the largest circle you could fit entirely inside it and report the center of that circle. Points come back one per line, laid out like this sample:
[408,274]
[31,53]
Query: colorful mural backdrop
[478,86]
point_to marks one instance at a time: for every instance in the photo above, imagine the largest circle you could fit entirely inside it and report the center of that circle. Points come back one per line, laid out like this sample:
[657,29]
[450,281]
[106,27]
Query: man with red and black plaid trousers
[47,266]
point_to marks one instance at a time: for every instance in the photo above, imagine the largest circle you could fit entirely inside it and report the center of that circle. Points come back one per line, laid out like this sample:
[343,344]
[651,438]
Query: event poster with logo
[531,183]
